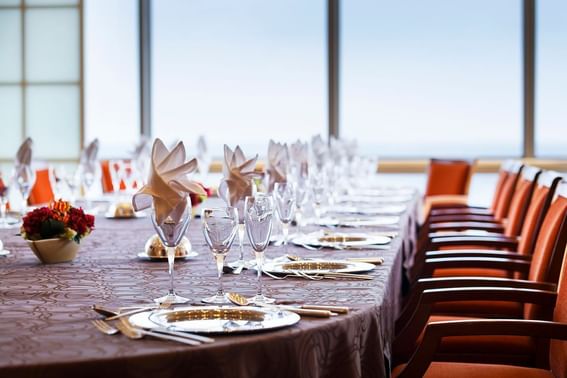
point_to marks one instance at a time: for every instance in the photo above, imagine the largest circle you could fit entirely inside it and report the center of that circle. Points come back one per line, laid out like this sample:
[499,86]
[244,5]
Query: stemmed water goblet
[170,232]
[224,193]
[259,210]
[88,173]
[219,227]
[5,184]
[301,195]
[284,196]
[318,193]
[24,177]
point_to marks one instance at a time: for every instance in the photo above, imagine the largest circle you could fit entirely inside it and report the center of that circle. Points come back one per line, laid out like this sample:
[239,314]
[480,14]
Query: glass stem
[298,220]
[220,264]
[171,261]
[3,209]
[285,229]
[241,229]
[260,264]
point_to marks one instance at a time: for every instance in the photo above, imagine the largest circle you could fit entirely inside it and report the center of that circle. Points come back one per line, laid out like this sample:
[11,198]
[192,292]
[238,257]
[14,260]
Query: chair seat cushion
[465,370]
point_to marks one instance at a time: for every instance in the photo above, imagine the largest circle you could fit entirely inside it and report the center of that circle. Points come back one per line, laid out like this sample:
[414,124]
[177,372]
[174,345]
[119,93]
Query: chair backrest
[106,177]
[558,348]
[550,245]
[41,191]
[537,209]
[508,188]
[502,176]
[448,177]
[521,200]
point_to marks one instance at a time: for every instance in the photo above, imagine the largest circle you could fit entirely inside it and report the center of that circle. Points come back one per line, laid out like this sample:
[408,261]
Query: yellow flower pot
[53,251]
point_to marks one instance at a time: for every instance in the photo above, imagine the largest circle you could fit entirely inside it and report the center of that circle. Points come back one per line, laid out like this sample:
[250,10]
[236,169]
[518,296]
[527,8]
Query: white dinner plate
[340,240]
[359,222]
[214,319]
[368,210]
[317,266]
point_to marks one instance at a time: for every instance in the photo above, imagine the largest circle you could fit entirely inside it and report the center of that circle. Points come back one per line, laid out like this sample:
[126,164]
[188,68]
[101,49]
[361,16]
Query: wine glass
[318,193]
[170,232]
[220,227]
[259,210]
[88,172]
[24,178]
[115,168]
[5,184]
[224,193]
[284,195]
[301,195]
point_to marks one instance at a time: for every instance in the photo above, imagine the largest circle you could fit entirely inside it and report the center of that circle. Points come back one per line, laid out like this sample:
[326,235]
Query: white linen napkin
[299,157]
[168,184]
[238,173]
[24,154]
[89,154]
[278,163]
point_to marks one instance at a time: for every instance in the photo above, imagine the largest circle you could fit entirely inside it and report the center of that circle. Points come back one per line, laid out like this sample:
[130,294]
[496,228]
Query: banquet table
[45,310]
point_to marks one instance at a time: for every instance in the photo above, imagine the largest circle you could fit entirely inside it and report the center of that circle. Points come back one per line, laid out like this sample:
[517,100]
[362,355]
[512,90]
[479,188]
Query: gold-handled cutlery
[241,300]
[370,260]
[137,333]
[105,328]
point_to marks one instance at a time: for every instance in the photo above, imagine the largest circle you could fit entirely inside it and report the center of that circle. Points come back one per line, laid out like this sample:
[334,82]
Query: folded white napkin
[278,163]
[142,148]
[24,154]
[89,154]
[320,150]
[168,185]
[201,146]
[238,173]
[299,157]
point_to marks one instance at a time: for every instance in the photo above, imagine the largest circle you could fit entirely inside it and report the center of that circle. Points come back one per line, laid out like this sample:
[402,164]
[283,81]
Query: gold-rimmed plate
[349,221]
[368,210]
[214,319]
[318,266]
[340,240]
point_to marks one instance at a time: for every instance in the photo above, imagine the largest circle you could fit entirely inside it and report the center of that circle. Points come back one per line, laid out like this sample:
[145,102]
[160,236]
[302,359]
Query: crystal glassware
[224,193]
[24,177]
[89,173]
[284,196]
[220,227]
[258,214]
[170,232]
[5,184]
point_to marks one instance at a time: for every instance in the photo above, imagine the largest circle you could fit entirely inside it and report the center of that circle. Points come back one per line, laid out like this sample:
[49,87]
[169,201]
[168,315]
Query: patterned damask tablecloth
[45,313]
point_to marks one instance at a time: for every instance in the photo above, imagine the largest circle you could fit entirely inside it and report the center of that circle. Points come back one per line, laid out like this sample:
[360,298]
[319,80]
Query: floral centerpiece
[197,199]
[58,220]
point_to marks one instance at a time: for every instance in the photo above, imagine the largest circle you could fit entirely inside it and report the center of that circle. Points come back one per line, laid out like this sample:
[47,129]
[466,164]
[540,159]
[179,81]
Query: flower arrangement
[58,220]
[196,199]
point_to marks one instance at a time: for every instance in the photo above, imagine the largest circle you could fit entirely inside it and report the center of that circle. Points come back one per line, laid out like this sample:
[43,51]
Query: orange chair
[542,271]
[505,187]
[521,246]
[106,178]
[448,177]
[553,365]
[41,191]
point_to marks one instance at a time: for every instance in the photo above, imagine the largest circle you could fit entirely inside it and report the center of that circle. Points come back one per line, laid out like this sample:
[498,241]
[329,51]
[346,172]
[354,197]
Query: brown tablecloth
[45,313]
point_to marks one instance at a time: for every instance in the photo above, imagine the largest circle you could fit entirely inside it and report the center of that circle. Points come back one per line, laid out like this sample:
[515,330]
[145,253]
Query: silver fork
[137,333]
[105,328]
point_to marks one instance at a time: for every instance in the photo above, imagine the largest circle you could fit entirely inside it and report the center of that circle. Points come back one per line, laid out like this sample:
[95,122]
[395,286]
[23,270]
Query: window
[238,71]
[432,78]
[551,79]
[40,79]
[112,75]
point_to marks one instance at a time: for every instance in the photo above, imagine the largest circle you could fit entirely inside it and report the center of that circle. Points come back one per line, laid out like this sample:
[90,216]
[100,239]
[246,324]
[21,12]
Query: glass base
[172,299]
[9,222]
[262,299]
[218,299]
